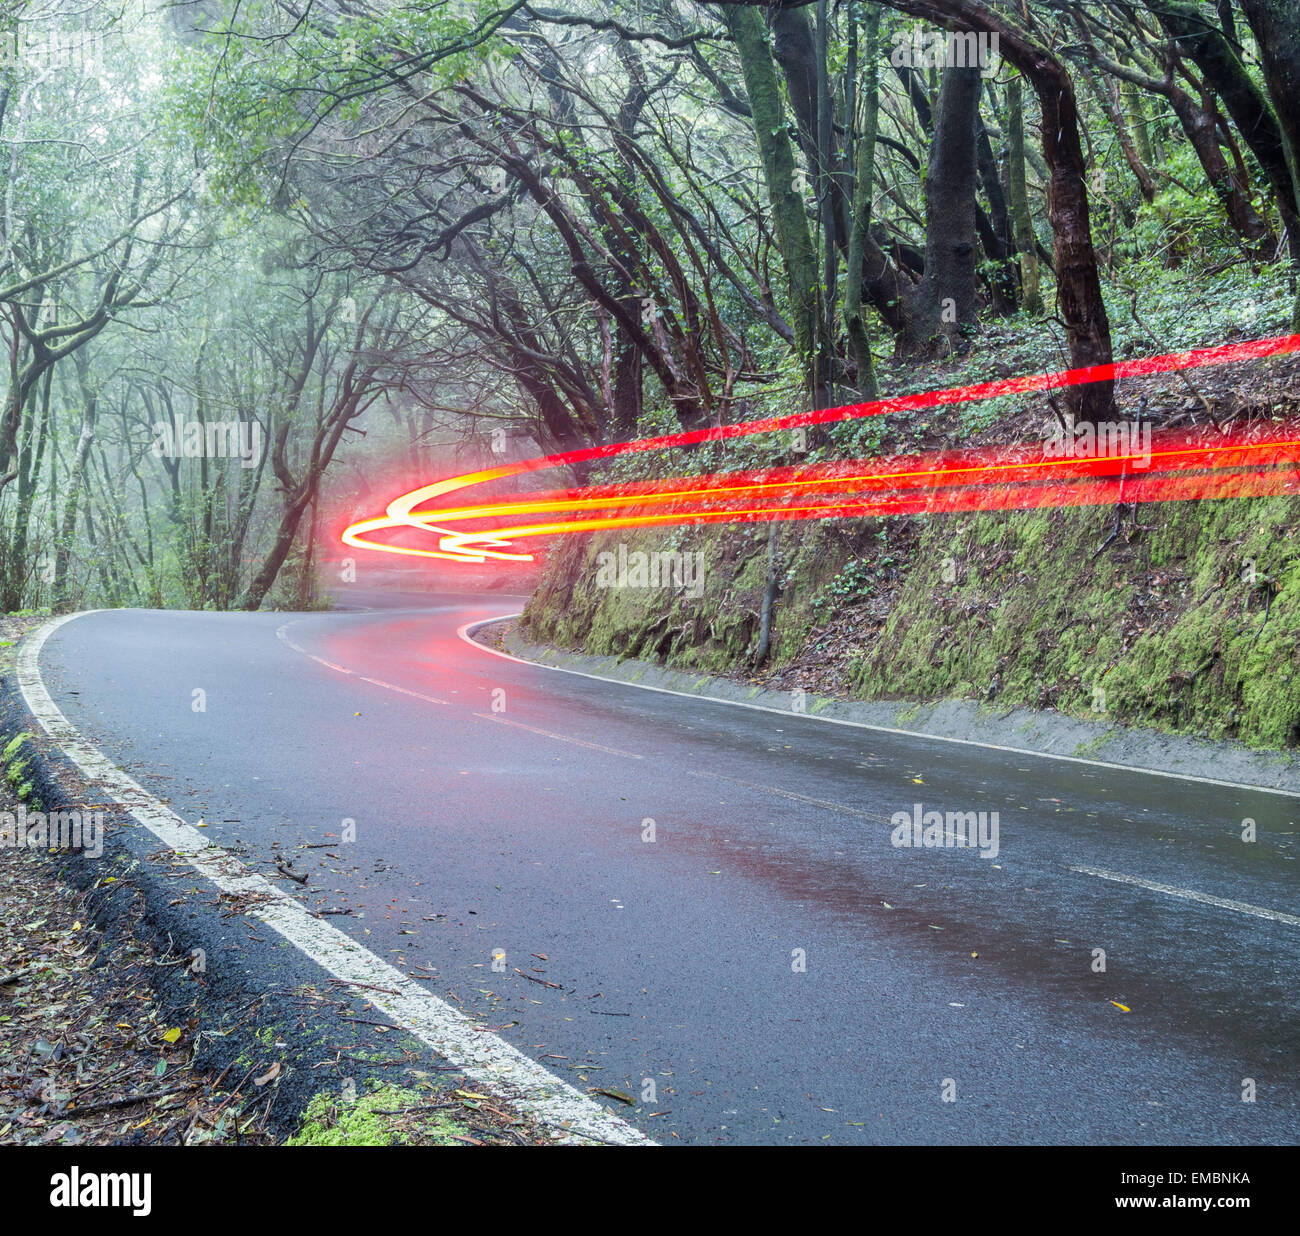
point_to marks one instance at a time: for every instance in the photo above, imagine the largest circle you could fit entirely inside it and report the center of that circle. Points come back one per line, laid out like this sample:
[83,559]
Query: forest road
[723,914]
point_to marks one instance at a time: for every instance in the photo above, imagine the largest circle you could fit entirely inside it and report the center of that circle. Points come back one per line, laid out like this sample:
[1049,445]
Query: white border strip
[1190,894]
[485,1058]
[464,631]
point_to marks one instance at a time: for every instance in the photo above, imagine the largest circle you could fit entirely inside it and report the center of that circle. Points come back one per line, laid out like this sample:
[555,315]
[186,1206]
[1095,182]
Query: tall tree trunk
[305,581]
[789,219]
[76,482]
[826,182]
[626,376]
[944,301]
[261,583]
[1137,114]
[1019,194]
[992,225]
[996,232]
[855,320]
[796,49]
[1276,24]
[29,471]
[1078,283]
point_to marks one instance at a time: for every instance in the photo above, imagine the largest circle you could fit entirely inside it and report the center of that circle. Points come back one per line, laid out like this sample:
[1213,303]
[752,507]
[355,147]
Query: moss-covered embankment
[1188,620]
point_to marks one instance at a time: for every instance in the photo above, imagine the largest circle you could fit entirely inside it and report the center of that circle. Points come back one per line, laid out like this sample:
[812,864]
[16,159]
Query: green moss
[369,1120]
[13,746]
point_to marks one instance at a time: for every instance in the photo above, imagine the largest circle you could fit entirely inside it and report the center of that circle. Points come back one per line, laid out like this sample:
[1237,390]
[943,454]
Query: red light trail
[1178,466]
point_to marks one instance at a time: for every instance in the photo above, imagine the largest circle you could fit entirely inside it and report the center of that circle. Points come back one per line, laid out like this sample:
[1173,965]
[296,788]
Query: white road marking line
[1190,894]
[486,1059]
[391,686]
[279,634]
[519,725]
[803,798]
[343,669]
[577,742]
[463,632]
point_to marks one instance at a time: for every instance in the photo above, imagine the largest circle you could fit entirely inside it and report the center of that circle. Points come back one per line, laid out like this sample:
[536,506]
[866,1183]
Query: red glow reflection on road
[1182,467]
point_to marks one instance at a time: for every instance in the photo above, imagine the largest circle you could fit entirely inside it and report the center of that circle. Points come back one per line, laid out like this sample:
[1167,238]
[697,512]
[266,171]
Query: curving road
[770,961]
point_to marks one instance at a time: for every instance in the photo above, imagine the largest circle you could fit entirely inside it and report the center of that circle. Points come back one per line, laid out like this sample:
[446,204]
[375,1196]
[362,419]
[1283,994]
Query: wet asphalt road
[770,968]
